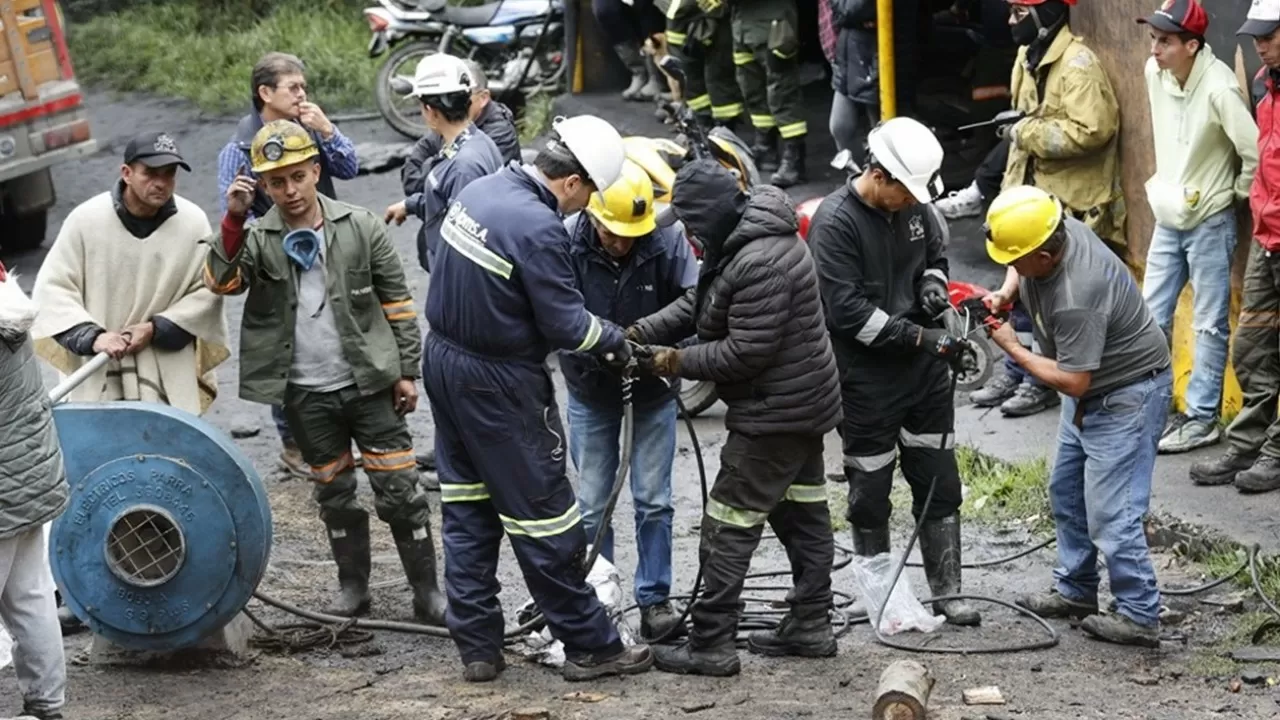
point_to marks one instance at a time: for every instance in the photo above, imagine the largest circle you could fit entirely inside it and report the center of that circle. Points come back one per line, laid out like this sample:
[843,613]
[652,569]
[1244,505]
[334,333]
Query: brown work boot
[631,661]
[1121,630]
[1264,476]
[1053,605]
[1221,470]
[293,464]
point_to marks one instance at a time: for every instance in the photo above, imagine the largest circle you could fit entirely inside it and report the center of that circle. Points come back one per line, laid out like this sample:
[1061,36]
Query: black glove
[619,358]
[939,343]
[933,296]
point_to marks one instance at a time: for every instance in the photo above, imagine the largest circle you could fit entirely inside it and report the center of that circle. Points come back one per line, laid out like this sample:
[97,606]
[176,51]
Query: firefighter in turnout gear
[329,330]
[883,276]
[503,296]
[703,43]
[766,52]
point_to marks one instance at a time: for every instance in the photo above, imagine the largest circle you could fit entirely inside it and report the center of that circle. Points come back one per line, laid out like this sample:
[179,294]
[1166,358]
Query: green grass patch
[1002,491]
[536,118]
[205,53]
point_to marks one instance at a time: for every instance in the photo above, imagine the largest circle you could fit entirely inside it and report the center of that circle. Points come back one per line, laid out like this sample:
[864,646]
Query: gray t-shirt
[318,362]
[1089,315]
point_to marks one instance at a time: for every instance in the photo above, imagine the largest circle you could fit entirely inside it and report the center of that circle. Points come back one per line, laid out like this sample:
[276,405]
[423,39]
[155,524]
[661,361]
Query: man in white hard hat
[442,83]
[503,296]
[878,244]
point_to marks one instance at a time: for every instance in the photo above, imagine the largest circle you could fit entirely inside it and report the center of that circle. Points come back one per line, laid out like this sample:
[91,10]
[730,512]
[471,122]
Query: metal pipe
[884,46]
[79,376]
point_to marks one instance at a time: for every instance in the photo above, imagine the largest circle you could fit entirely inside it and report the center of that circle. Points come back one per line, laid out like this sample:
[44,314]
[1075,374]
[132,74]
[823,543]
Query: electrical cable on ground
[326,631]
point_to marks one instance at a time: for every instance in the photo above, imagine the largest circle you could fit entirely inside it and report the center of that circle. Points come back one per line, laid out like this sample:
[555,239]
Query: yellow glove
[710,6]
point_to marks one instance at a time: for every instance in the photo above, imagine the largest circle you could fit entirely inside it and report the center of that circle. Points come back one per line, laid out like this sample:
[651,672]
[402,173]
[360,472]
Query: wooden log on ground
[903,692]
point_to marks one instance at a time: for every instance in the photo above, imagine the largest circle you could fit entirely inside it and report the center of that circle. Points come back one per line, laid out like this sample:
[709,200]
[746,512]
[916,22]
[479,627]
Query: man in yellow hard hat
[329,331]
[1105,354]
[627,268]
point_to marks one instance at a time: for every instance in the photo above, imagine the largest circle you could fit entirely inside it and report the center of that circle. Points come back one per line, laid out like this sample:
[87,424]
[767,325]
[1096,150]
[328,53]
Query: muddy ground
[396,676]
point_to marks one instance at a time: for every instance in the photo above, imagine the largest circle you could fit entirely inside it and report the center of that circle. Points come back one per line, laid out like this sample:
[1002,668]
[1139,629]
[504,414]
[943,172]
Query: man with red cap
[1206,151]
[1252,460]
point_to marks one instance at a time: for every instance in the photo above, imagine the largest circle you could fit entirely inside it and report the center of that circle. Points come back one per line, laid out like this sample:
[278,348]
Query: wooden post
[903,693]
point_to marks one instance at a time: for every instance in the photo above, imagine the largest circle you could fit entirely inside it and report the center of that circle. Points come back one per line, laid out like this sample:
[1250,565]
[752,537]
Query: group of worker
[567,254]
[740,57]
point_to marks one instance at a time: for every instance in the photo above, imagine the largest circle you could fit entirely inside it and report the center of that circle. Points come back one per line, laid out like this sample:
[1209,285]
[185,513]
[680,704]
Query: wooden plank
[54,17]
[13,37]
[8,78]
[903,692]
[21,6]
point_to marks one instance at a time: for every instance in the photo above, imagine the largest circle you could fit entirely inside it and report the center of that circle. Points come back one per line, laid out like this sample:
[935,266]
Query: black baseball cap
[154,149]
[1179,16]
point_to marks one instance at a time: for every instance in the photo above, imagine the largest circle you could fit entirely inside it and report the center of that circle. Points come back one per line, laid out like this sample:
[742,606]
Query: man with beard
[762,339]
[1067,145]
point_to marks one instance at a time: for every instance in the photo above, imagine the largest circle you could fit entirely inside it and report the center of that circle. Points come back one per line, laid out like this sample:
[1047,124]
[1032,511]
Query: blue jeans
[1202,254]
[1021,322]
[593,444]
[282,425]
[1100,489]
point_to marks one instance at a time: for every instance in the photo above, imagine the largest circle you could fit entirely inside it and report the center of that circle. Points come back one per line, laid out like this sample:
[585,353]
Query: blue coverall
[502,297]
[471,155]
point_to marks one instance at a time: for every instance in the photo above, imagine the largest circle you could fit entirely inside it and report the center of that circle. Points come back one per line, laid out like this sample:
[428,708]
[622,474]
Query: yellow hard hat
[281,143]
[626,208]
[1020,220]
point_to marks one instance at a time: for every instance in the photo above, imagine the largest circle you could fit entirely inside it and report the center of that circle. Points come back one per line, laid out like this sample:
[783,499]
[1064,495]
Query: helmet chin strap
[1042,32]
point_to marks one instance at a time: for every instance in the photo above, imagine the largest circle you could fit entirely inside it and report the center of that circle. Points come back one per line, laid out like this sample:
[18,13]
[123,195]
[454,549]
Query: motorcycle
[518,43]
[978,361]
[661,158]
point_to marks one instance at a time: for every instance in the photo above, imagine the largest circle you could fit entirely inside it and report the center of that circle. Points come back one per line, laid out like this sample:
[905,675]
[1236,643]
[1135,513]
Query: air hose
[842,620]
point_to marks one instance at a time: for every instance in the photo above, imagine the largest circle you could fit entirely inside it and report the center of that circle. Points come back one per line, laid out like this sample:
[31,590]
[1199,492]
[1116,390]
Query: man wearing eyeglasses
[280,93]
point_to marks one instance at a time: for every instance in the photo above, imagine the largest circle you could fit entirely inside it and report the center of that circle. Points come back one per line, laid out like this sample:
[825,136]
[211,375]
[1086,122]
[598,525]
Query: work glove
[933,296]
[939,343]
[660,361]
[632,333]
[619,358]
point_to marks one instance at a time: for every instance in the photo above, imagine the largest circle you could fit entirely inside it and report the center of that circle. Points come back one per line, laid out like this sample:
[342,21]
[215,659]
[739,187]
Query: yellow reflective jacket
[1068,143]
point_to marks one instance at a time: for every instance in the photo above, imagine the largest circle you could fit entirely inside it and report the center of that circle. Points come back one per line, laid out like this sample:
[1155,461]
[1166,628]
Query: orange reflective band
[399,310]
[229,286]
[324,474]
[389,462]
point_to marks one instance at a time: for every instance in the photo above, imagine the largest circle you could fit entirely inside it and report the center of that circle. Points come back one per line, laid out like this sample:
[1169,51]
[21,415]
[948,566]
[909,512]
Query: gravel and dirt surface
[398,676]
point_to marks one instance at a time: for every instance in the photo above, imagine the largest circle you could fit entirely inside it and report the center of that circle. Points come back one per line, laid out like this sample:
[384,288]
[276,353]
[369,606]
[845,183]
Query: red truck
[42,117]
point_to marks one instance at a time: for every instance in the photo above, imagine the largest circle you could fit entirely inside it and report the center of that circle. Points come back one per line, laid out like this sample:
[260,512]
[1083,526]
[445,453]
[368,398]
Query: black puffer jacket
[763,339]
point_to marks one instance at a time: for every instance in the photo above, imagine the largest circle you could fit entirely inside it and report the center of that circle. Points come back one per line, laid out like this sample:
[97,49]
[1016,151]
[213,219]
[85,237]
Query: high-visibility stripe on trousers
[500,455]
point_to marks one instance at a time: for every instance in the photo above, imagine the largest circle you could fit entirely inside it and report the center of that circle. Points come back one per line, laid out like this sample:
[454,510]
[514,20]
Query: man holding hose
[763,341]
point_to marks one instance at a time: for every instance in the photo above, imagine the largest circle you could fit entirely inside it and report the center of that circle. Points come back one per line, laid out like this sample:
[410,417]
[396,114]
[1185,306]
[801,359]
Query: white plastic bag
[607,583]
[6,648]
[871,577]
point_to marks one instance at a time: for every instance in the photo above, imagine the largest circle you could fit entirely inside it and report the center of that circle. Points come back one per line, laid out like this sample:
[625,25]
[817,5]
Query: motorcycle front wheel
[401,112]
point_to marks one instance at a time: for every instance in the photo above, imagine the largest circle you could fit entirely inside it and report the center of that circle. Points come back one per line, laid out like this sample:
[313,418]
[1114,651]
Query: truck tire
[697,396]
[24,232]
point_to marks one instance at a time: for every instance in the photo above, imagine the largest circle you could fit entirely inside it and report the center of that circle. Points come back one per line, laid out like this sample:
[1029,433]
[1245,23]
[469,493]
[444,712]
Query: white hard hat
[441,74]
[909,152]
[595,144]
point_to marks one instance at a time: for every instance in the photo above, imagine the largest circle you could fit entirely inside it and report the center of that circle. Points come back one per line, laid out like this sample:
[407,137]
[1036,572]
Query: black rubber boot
[940,549]
[868,543]
[631,661]
[803,632]
[791,171]
[418,555]
[717,660]
[765,150]
[631,57]
[1221,470]
[350,546]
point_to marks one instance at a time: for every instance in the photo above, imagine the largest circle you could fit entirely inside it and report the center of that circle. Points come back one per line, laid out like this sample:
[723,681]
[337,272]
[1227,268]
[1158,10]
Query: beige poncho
[98,272]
